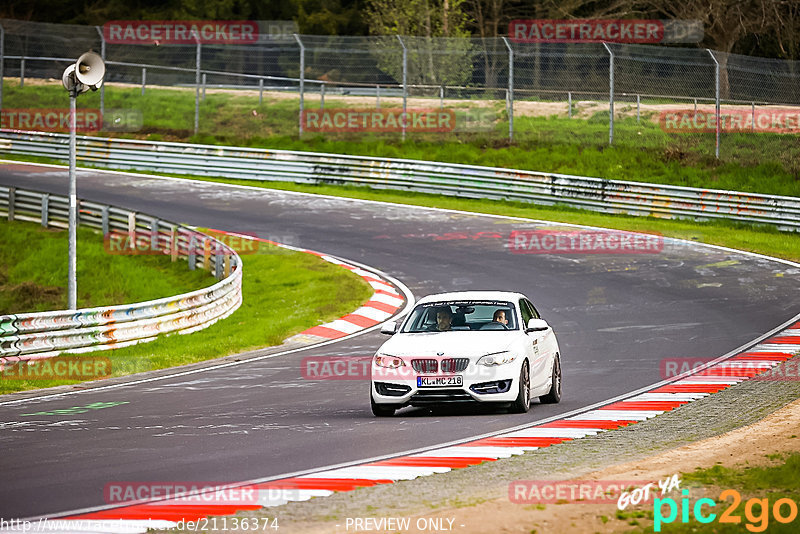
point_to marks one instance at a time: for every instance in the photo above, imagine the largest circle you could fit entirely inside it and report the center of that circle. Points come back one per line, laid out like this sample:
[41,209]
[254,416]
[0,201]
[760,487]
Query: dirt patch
[30,296]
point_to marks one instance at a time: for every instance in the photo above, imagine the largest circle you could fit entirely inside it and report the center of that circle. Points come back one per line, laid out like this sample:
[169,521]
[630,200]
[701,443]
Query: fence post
[103,86]
[11,200]
[2,62]
[716,97]
[610,94]
[569,101]
[302,81]
[638,103]
[260,91]
[206,253]
[104,219]
[377,97]
[45,209]
[218,261]
[197,85]
[132,229]
[192,256]
[322,96]
[173,243]
[510,90]
[753,127]
[144,78]
[405,83]
[203,98]
[154,234]
[441,97]
[22,72]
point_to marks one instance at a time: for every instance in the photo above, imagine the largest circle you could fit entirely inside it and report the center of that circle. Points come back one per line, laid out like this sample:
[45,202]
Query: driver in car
[500,317]
[444,318]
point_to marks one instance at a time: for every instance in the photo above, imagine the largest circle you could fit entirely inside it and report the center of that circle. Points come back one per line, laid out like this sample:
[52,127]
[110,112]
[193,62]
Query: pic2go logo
[756,511]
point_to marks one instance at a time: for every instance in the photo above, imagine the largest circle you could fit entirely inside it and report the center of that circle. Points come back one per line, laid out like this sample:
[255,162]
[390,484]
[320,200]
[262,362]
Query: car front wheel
[382,410]
[554,397]
[523,401]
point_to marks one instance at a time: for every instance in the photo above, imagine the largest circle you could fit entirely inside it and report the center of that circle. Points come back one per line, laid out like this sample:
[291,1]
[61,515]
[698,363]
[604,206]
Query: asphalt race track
[617,316]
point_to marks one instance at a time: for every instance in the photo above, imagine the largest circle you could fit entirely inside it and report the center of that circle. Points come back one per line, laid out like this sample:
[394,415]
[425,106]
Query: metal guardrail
[32,336]
[610,196]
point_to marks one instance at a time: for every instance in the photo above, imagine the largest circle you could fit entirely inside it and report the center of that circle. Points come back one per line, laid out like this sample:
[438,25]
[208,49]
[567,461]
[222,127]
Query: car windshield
[466,315]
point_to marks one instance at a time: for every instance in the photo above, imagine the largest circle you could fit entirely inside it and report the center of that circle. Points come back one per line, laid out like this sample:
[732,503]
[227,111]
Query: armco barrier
[33,336]
[611,196]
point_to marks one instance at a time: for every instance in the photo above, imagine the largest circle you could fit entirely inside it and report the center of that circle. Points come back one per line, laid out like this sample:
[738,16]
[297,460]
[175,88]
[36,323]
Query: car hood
[455,344]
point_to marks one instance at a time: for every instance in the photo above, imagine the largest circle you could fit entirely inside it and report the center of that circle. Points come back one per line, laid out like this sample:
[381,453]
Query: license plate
[439,381]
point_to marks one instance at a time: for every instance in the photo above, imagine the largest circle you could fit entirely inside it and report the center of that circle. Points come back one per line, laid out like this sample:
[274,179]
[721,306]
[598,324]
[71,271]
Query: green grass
[284,293]
[33,272]
[772,482]
[754,162]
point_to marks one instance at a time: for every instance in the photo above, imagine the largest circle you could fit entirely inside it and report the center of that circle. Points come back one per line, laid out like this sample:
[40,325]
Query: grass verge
[284,293]
[755,162]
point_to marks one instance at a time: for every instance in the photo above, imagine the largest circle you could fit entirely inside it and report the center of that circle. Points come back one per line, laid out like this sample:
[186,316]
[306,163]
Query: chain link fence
[591,94]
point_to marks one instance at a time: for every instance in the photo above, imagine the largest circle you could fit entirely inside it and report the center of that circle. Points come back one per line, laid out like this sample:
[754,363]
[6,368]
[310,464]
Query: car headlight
[497,358]
[391,362]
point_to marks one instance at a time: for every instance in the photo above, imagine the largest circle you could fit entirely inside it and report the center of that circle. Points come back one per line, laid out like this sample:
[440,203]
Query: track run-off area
[619,318]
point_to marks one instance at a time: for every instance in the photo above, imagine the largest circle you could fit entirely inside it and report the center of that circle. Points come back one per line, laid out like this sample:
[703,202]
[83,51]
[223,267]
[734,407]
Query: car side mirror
[537,325]
[389,328]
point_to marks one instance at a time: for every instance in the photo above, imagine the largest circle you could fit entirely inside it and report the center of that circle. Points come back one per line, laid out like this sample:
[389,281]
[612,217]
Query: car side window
[534,312]
[526,313]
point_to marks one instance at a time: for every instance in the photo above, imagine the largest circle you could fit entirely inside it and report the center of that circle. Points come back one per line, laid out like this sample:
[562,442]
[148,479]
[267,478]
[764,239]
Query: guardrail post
[104,220]
[206,253]
[132,229]
[569,103]
[144,78]
[218,261]
[12,194]
[173,244]
[610,94]
[22,72]
[154,234]
[102,55]
[510,92]
[45,209]
[716,97]
[322,96]
[197,84]
[192,256]
[260,91]
[227,270]
[302,81]
[405,83]
[2,62]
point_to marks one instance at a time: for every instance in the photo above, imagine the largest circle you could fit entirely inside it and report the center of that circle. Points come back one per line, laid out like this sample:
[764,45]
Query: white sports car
[471,346]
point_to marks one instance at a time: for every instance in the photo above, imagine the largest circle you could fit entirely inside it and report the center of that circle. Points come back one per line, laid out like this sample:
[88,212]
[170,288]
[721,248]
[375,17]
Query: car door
[540,369]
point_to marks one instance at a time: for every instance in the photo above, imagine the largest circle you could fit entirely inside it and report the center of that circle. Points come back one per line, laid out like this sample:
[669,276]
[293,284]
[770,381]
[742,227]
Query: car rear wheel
[523,401]
[554,397]
[382,410]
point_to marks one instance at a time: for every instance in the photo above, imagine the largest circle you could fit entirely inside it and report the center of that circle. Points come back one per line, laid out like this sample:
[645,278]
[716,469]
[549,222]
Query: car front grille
[454,365]
[425,366]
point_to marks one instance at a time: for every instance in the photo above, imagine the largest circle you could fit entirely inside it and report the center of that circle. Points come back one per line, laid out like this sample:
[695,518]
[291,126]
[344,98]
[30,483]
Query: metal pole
[510,90]
[638,103]
[716,92]
[753,126]
[322,96]
[302,81]
[405,83]
[377,97]
[610,94]
[72,282]
[22,72]
[203,98]
[569,101]
[102,55]
[260,91]
[197,87]
[144,78]
[441,97]
[2,63]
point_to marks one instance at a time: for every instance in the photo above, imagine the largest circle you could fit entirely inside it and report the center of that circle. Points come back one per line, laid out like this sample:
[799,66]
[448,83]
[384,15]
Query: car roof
[473,295]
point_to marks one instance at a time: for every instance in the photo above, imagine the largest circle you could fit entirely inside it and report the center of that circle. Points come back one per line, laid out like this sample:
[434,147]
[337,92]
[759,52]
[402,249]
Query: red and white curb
[662,398]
